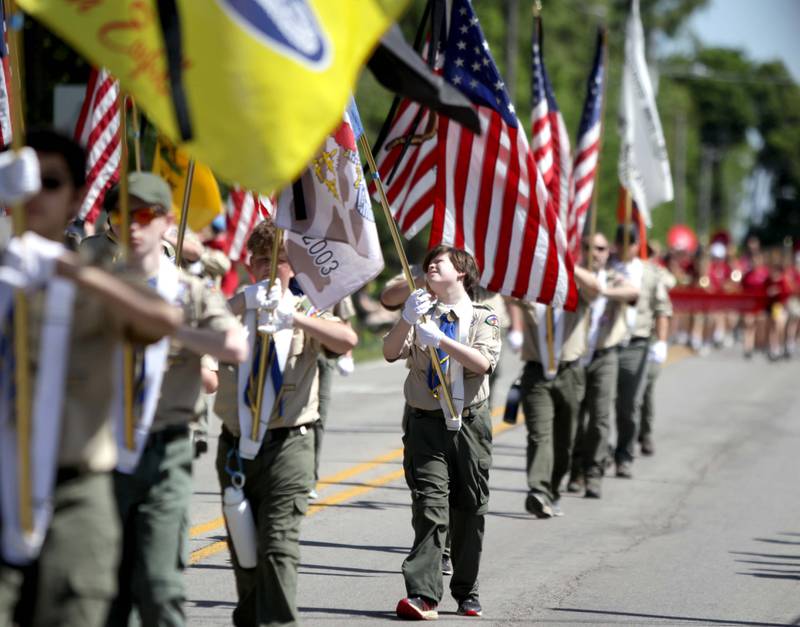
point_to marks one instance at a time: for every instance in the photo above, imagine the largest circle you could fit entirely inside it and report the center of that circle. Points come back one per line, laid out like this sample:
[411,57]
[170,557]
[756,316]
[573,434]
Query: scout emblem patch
[492,321]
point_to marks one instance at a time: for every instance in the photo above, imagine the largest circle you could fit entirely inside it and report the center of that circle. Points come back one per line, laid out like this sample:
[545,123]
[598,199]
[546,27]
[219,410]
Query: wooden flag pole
[22,380]
[264,338]
[398,243]
[187,194]
[137,134]
[125,241]
[626,235]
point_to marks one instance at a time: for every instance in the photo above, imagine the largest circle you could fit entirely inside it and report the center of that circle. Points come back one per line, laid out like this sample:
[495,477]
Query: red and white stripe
[98,130]
[476,191]
[583,176]
[244,211]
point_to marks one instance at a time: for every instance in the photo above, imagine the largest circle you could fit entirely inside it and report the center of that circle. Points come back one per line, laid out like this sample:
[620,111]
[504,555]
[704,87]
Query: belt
[69,473]
[602,351]
[563,365]
[468,412]
[272,435]
[635,341]
[168,434]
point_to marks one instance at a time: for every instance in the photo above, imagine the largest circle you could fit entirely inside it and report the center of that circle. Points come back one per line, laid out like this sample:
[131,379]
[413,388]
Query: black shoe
[624,470]
[447,565]
[593,489]
[200,447]
[538,505]
[469,607]
[575,484]
[648,448]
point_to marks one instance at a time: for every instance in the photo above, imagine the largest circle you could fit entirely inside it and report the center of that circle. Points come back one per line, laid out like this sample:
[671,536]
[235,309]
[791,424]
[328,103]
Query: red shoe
[416,608]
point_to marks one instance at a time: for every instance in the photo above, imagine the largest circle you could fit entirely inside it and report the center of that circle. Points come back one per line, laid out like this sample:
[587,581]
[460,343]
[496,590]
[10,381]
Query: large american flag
[244,211]
[482,193]
[587,151]
[5,85]
[549,135]
[98,130]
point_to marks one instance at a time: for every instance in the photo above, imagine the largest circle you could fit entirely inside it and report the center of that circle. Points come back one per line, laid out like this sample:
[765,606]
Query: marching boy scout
[606,331]
[551,396]
[153,481]
[67,565]
[446,457]
[277,466]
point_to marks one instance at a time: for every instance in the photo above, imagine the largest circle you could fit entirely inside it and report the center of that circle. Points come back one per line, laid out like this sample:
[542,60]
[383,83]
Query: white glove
[658,352]
[279,318]
[345,365]
[19,176]
[429,334]
[514,339]
[256,296]
[30,261]
[417,304]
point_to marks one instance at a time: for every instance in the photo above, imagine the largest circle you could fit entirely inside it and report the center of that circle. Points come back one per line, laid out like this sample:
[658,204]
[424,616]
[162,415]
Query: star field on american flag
[469,66]
[540,86]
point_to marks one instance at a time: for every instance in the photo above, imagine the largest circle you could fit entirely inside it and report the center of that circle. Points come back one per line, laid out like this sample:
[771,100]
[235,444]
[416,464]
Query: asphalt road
[707,532]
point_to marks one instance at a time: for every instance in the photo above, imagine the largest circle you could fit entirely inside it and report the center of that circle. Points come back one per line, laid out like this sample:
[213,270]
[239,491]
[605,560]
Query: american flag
[548,132]
[5,85]
[482,193]
[587,152]
[98,130]
[244,211]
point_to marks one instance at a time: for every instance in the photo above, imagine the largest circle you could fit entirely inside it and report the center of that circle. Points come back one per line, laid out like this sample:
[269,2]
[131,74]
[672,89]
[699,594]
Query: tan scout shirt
[100,249]
[613,325]
[653,300]
[300,391]
[574,338]
[484,336]
[87,442]
[204,308]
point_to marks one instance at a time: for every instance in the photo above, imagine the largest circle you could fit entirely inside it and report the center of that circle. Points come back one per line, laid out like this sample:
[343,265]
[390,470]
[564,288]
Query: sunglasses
[51,183]
[142,216]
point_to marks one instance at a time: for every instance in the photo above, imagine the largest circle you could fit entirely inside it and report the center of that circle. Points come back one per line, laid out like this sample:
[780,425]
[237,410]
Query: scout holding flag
[273,460]
[446,457]
[153,481]
[77,317]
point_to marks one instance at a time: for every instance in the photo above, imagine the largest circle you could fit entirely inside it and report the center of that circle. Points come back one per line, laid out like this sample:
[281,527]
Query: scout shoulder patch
[492,320]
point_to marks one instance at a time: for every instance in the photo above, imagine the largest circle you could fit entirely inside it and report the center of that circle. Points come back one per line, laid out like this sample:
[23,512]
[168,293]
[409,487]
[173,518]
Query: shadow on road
[668,617]
[348,612]
[789,571]
[403,550]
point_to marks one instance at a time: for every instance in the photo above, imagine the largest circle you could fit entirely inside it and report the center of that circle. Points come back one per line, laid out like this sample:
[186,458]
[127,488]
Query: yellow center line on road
[676,354]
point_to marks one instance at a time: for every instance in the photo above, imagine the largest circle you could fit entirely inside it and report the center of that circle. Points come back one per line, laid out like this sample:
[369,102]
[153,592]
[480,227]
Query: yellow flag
[265,80]
[205,202]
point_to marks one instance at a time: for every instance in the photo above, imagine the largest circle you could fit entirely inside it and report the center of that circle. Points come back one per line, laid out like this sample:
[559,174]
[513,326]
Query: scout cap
[145,186]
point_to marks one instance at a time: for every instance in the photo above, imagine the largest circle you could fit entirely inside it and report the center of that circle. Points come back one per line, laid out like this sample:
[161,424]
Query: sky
[765,29]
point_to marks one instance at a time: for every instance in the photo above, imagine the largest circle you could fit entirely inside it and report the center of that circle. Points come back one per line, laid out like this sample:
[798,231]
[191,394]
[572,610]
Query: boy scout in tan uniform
[606,331]
[653,302]
[153,495]
[446,469]
[71,581]
[278,478]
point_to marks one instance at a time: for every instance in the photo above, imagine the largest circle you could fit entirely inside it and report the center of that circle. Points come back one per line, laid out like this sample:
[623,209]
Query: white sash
[633,271]
[540,315]
[155,359]
[19,547]
[598,309]
[248,448]
[455,371]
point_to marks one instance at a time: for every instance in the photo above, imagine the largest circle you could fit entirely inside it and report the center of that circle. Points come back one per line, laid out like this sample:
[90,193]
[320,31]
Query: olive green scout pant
[648,406]
[448,474]
[73,581]
[153,507]
[551,414]
[277,482]
[631,382]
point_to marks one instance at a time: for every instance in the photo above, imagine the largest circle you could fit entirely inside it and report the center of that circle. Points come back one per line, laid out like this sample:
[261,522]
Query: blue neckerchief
[448,326]
[276,376]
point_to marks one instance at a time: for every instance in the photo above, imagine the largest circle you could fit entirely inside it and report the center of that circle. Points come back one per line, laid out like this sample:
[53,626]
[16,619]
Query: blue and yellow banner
[265,80]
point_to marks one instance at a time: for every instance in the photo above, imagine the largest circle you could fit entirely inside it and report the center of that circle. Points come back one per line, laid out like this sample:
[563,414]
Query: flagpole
[593,208]
[125,240]
[265,338]
[22,379]
[187,194]
[137,134]
[401,253]
[626,235]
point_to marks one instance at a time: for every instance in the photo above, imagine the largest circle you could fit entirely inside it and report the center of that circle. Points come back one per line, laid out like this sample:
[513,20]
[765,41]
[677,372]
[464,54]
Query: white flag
[331,239]
[643,162]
